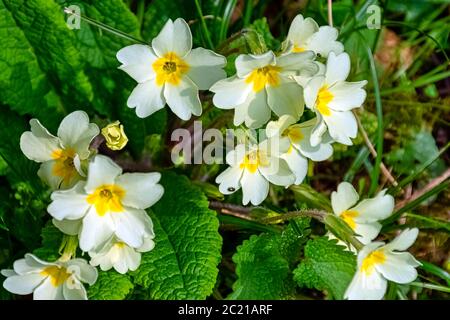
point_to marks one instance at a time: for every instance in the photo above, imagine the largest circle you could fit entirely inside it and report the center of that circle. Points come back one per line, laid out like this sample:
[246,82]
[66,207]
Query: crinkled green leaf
[51,242]
[110,285]
[44,26]
[263,264]
[326,266]
[183,264]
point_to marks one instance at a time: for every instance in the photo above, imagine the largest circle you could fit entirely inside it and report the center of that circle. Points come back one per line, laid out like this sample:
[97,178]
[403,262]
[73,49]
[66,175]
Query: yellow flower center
[298,49]
[169,68]
[262,76]
[58,275]
[349,217]
[107,198]
[64,166]
[369,262]
[119,245]
[294,133]
[253,160]
[323,98]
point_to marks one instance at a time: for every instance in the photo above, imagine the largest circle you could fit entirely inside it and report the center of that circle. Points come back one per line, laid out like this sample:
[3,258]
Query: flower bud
[115,136]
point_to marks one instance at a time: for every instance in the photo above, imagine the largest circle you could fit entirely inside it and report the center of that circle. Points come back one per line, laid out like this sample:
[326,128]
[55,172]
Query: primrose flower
[333,98]
[362,218]
[300,148]
[263,83]
[115,136]
[120,256]
[60,280]
[252,169]
[305,34]
[379,262]
[170,71]
[108,203]
[60,156]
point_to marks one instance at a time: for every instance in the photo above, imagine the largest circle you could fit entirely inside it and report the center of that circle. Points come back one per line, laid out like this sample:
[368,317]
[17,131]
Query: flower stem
[68,248]
[103,26]
[204,26]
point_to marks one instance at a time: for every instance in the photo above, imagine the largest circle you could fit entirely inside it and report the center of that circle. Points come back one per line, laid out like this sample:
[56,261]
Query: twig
[231,209]
[330,13]
[433,183]
[372,150]
[312,213]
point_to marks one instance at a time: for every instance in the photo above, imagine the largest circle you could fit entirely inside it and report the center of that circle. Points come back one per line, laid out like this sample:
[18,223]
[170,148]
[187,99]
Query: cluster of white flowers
[93,200]
[376,261]
[104,208]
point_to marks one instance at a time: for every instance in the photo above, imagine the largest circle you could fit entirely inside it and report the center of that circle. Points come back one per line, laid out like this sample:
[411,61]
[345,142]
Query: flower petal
[342,126]
[247,63]
[132,226]
[297,164]
[347,95]
[95,230]
[74,290]
[338,68]
[255,188]
[318,131]
[82,270]
[183,98]
[311,91]
[229,180]
[38,144]
[76,132]
[298,62]
[147,98]
[47,291]
[276,128]
[69,204]
[367,231]
[286,98]
[258,112]
[366,287]
[236,156]
[142,189]
[23,284]
[205,67]
[230,92]
[102,170]
[324,41]
[137,61]
[317,153]
[301,30]
[404,240]
[174,37]
[375,209]
[399,267]
[344,198]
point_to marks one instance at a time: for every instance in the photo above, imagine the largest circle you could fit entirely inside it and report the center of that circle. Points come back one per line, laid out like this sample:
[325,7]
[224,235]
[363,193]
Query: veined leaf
[327,266]
[110,285]
[183,264]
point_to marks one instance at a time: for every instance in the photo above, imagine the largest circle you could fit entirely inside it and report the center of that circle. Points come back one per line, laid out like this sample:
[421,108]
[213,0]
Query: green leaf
[424,222]
[51,242]
[110,285]
[183,264]
[44,26]
[23,85]
[262,28]
[19,167]
[263,263]
[326,266]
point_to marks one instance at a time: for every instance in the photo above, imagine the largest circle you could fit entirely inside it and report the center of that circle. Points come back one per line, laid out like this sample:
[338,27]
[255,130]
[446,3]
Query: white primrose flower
[305,34]
[300,148]
[108,203]
[263,83]
[253,168]
[379,262]
[120,256]
[362,217]
[333,98]
[170,71]
[60,156]
[60,280]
